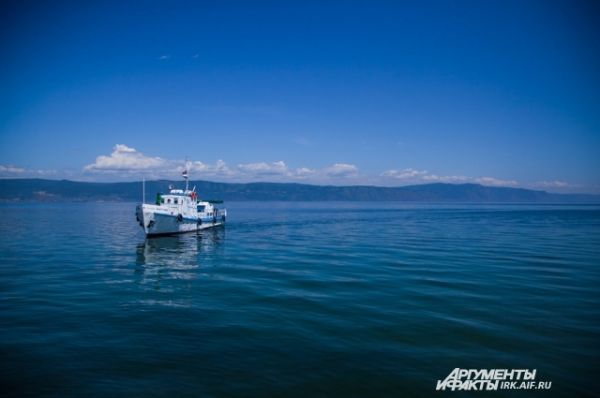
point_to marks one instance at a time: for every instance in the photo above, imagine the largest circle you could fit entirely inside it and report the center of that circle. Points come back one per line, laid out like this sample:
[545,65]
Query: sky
[502,93]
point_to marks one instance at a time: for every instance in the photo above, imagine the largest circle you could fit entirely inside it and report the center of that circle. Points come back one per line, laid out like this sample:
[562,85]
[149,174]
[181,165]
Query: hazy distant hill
[63,190]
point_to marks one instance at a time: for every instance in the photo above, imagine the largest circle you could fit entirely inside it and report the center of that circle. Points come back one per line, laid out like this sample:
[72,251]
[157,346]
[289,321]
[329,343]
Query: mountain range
[12,190]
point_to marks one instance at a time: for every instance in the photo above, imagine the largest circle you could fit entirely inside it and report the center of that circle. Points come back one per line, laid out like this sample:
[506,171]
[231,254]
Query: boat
[179,211]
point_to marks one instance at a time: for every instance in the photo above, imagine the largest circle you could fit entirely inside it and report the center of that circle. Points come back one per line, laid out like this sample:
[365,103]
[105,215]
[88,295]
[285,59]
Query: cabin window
[168,200]
[175,200]
[200,208]
[162,200]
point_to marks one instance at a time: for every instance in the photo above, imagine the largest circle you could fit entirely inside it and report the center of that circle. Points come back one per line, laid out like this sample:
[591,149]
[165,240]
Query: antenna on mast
[185,174]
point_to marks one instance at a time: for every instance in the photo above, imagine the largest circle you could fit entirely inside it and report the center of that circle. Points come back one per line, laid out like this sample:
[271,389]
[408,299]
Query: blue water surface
[297,299]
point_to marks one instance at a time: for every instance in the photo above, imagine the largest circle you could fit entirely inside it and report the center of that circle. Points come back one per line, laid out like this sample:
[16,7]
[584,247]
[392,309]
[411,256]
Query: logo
[492,380]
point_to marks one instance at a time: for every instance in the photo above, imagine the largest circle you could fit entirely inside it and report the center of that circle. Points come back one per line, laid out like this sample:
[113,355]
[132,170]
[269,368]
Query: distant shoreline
[41,190]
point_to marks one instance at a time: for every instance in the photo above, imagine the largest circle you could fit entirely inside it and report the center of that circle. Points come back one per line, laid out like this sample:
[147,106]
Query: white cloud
[277,168]
[164,57]
[553,184]
[411,175]
[222,168]
[281,171]
[495,182]
[304,172]
[126,162]
[452,179]
[342,170]
[219,169]
[405,174]
[124,158]
[12,171]
[8,170]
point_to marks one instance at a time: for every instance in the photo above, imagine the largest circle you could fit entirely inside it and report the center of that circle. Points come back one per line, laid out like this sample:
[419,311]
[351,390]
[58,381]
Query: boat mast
[185,173]
[185,176]
[143,190]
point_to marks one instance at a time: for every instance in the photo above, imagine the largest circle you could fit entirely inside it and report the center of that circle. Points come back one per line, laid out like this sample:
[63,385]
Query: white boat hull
[156,222]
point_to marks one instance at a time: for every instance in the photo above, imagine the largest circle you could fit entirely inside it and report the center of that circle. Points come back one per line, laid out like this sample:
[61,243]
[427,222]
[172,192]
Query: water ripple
[326,299]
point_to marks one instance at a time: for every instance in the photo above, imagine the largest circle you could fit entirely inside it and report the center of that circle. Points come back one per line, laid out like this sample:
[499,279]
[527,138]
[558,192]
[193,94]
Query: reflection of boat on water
[179,251]
[164,261]
[179,211]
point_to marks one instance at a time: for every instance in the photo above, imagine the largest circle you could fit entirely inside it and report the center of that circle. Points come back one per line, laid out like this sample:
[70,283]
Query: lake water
[297,299]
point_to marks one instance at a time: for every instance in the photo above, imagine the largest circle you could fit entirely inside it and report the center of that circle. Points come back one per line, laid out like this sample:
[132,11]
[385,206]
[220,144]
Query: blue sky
[385,93]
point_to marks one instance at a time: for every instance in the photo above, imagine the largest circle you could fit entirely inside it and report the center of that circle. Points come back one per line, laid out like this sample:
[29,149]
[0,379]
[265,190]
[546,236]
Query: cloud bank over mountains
[126,163]
[422,176]
[12,171]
